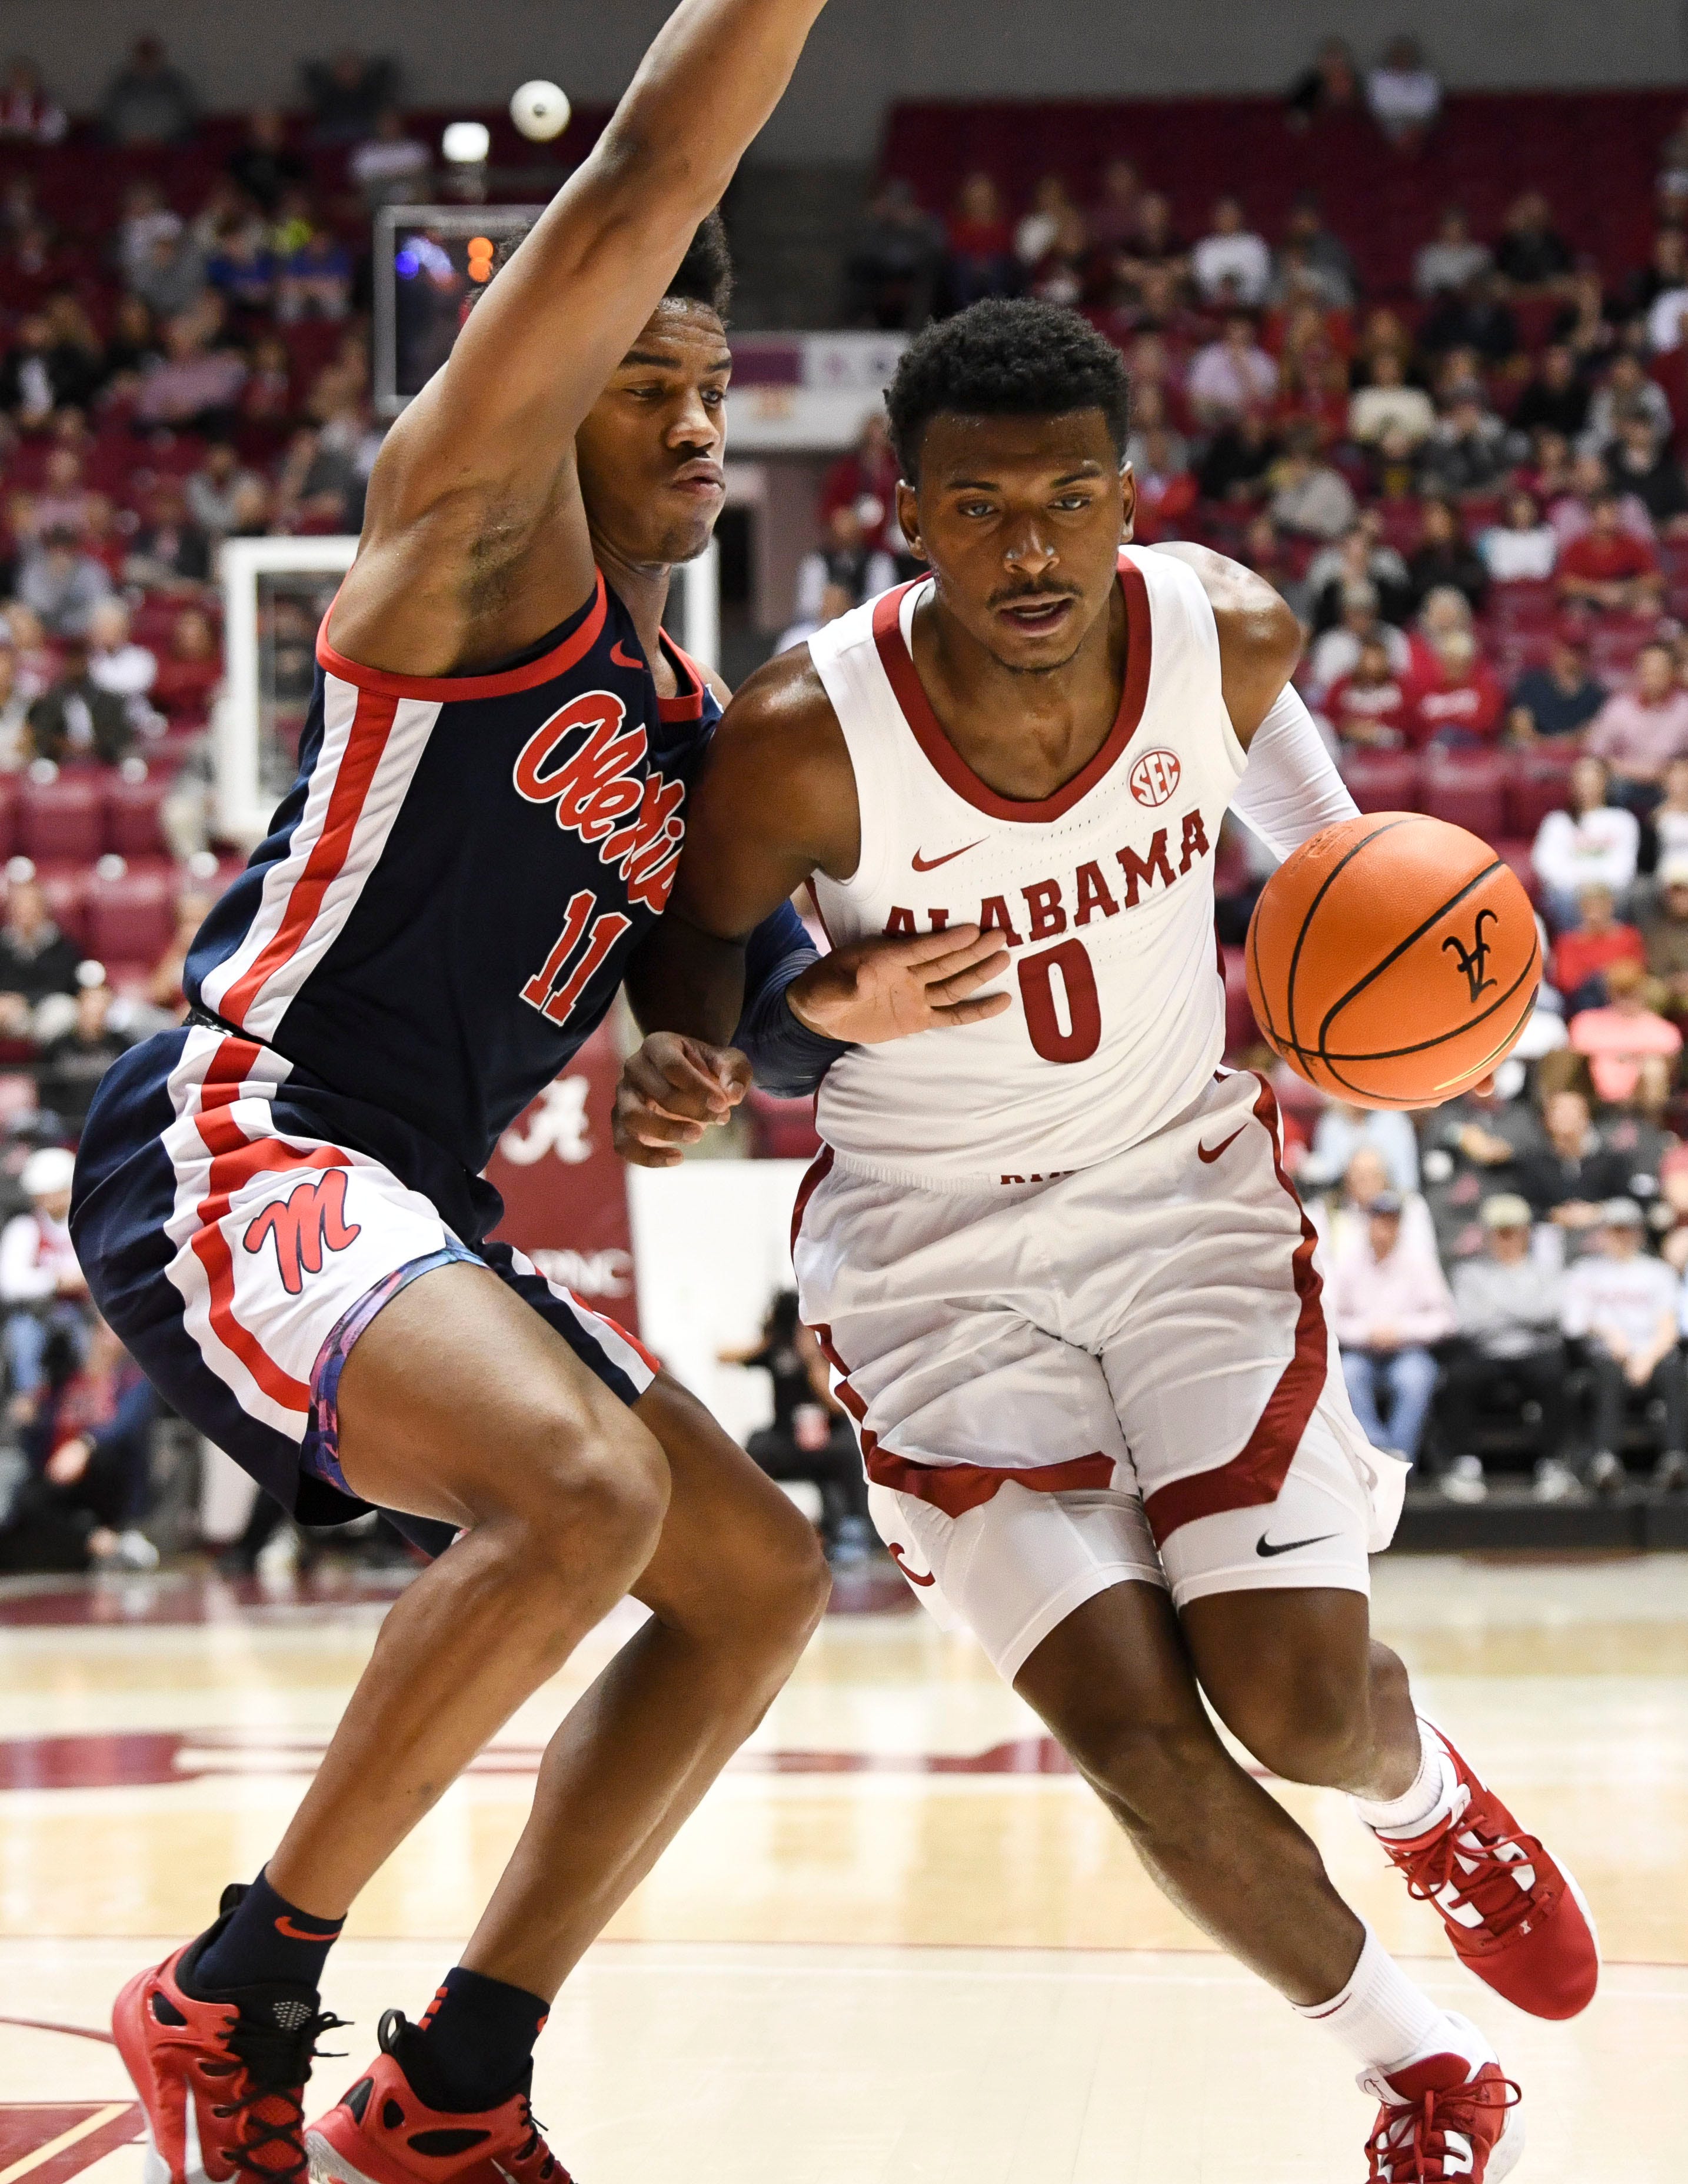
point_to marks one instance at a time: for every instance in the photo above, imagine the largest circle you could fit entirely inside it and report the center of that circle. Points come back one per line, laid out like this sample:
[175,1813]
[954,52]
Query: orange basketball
[1393,960]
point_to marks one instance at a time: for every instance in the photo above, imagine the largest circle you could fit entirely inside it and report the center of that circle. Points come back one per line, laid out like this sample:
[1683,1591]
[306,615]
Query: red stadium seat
[129,919]
[66,889]
[781,1129]
[62,818]
[1537,782]
[1517,854]
[1241,1031]
[132,815]
[1382,781]
[1467,788]
[8,815]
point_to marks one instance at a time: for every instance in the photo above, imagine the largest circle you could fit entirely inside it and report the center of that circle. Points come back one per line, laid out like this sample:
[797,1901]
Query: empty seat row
[1498,795]
[82,814]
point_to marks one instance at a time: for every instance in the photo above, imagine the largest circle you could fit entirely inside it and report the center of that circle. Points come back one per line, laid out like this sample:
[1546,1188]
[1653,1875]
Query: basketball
[1393,960]
[540,110]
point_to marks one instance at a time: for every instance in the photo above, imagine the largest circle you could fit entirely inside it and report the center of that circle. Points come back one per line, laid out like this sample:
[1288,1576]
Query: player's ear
[908,519]
[1127,492]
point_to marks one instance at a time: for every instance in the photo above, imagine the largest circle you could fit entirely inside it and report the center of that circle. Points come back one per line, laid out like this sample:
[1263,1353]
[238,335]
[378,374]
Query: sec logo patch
[1155,776]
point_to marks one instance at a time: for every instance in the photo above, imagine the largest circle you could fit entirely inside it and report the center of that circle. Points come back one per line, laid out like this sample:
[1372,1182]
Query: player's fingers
[733,1073]
[668,1078]
[973,1011]
[959,983]
[645,1123]
[930,947]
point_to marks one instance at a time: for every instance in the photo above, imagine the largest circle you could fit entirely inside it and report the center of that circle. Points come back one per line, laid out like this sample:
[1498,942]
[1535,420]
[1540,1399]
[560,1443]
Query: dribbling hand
[871,991]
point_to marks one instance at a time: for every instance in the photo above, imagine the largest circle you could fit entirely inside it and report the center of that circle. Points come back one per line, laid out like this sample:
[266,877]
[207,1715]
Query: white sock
[1381,2018]
[1426,1799]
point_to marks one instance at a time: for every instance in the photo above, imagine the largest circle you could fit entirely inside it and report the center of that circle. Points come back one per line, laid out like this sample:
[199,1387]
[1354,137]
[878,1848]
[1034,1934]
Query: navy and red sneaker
[380,2132]
[221,2078]
[1514,1914]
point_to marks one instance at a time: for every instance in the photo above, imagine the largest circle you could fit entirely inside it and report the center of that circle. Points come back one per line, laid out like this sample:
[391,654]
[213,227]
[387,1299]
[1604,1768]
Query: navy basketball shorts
[240,1225]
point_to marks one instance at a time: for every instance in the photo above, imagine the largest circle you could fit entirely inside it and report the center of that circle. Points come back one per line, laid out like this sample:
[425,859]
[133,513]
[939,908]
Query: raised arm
[479,471]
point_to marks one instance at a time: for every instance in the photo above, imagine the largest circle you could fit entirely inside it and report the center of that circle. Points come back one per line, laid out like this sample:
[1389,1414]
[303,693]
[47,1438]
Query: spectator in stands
[1591,844]
[1149,413]
[76,718]
[1404,93]
[1111,221]
[319,489]
[1232,376]
[1555,395]
[69,1068]
[1524,548]
[241,268]
[390,163]
[1559,698]
[146,218]
[133,348]
[118,663]
[1039,226]
[1463,706]
[1388,405]
[38,963]
[315,279]
[1570,503]
[1389,1301]
[266,401]
[1583,322]
[1621,1305]
[1368,707]
[1468,450]
[1666,319]
[1569,1183]
[1362,554]
[1445,558]
[845,558]
[41,1289]
[1310,498]
[61,583]
[148,101]
[1669,820]
[980,258]
[169,552]
[1166,489]
[14,708]
[164,986]
[172,279]
[1453,259]
[1473,317]
[1336,653]
[1308,242]
[33,650]
[347,92]
[190,672]
[89,1437]
[1507,1309]
[893,266]
[1343,1134]
[197,388]
[28,114]
[1330,85]
[1626,391]
[213,492]
[36,377]
[1643,469]
[1239,457]
[1472,1146]
[1641,730]
[1531,255]
[1609,569]
[265,166]
[810,1437]
[1584,954]
[63,504]
[1231,264]
[1629,1047]
[1265,552]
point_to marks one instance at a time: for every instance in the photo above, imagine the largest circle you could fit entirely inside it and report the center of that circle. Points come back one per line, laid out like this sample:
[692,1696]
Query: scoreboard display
[429,263]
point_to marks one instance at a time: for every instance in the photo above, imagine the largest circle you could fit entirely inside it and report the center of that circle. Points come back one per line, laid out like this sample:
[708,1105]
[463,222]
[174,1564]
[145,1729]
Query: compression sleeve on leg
[1291,789]
[789,1060]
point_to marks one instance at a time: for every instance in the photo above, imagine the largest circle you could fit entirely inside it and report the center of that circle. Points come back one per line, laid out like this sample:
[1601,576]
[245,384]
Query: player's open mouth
[1036,617]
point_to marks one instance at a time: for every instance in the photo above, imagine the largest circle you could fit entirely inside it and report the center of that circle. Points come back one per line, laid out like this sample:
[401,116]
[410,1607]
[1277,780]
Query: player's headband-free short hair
[1002,359]
[704,276]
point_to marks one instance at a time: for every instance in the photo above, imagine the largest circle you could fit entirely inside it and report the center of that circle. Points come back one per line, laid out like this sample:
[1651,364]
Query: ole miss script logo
[304,1226]
[593,770]
[1155,777]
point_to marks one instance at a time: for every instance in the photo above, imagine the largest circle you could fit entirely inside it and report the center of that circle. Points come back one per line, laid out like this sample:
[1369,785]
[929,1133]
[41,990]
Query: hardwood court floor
[899,1944]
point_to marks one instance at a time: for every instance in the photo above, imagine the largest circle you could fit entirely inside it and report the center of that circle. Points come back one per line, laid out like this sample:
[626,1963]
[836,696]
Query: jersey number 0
[1084,1034]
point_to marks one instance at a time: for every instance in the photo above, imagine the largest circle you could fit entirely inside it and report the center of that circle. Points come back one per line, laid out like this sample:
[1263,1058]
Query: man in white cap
[1622,1304]
[40,1284]
[1506,1304]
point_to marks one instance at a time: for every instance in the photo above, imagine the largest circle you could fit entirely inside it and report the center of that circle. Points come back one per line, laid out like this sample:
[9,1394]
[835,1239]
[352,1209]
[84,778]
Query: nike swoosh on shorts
[1262,1545]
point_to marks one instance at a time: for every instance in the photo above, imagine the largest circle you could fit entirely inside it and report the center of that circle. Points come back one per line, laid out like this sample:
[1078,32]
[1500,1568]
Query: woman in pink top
[1629,1046]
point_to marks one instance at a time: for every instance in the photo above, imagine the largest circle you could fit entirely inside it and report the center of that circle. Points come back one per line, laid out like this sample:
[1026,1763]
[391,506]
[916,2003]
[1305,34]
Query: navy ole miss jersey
[444,906]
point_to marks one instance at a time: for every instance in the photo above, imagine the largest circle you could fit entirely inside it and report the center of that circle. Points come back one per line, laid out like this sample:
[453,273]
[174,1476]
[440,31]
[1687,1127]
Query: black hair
[781,1321]
[705,274]
[1001,359]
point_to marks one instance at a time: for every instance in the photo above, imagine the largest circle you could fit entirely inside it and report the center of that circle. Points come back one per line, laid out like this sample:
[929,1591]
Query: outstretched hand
[871,991]
[671,1090]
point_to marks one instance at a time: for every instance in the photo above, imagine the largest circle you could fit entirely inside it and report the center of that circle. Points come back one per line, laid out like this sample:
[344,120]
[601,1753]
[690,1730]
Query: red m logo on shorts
[305,1225]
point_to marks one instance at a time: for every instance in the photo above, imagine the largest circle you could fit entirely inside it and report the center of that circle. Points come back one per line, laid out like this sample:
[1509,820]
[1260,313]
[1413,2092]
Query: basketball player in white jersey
[1067,1292]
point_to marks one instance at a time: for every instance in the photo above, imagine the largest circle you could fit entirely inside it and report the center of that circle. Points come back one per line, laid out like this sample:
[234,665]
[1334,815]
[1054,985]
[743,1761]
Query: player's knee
[767,1593]
[599,1487]
[1313,1727]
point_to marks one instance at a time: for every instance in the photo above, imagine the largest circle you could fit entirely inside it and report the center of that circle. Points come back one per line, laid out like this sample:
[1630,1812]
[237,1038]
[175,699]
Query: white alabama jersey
[1104,892]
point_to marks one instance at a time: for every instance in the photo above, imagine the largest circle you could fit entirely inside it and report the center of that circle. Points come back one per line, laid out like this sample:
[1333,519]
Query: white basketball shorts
[1072,1382]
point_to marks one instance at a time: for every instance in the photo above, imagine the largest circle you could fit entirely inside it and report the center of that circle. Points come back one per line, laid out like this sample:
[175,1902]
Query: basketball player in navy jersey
[280,1206]
[1066,1289]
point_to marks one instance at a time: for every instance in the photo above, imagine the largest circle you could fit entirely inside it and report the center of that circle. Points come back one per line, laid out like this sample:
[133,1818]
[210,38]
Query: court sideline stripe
[66,2139]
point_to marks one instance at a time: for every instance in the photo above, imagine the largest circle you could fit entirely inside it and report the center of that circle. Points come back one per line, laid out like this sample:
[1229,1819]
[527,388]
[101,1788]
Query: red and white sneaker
[1445,2120]
[1515,1916]
[222,2082]
[379,2133]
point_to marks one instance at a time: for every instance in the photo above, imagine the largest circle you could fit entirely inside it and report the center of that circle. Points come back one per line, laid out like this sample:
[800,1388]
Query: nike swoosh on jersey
[1204,1153]
[914,1577]
[931,864]
[1262,1545]
[622,659]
